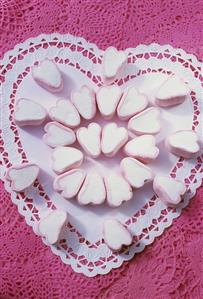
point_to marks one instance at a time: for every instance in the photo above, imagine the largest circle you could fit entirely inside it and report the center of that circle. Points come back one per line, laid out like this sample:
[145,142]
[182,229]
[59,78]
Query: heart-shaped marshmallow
[28,112]
[65,113]
[58,135]
[112,63]
[69,183]
[131,103]
[51,226]
[146,122]
[108,98]
[22,176]
[142,148]
[172,92]
[113,138]
[135,173]
[93,190]
[90,139]
[66,158]
[47,75]
[115,234]
[169,190]
[117,189]
[184,143]
[84,101]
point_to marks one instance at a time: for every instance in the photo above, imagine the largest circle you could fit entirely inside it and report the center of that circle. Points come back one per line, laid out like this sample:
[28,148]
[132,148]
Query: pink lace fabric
[172,267]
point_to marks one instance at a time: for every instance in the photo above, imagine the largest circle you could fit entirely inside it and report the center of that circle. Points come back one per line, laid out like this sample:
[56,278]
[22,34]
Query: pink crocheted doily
[171,267]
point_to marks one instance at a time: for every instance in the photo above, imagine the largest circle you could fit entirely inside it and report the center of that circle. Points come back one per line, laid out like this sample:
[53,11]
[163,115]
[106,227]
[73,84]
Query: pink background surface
[172,267]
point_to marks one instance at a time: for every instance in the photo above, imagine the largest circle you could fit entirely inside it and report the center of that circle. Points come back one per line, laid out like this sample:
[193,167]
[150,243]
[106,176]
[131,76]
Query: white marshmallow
[113,138]
[84,101]
[89,139]
[93,190]
[131,103]
[65,113]
[146,122]
[29,113]
[108,98]
[52,225]
[142,148]
[115,234]
[66,158]
[136,173]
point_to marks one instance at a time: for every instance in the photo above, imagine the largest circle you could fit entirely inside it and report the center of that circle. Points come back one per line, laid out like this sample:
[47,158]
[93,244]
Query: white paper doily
[145,216]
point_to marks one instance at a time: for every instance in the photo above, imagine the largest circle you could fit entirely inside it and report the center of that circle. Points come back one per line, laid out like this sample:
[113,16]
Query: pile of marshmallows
[61,132]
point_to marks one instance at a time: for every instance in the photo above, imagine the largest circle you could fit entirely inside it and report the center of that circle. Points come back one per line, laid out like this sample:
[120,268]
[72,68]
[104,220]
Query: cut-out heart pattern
[48,75]
[22,176]
[29,113]
[115,234]
[195,124]
[52,225]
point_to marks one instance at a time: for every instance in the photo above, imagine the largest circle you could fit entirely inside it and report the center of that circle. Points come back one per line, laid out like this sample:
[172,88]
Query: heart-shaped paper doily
[145,216]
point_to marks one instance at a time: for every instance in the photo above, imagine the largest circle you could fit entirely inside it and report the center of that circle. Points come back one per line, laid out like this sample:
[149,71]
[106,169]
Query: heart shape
[146,122]
[84,59]
[169,190]
[50,227]
[131,103]
[66,158]
[89,139]
[117,189]
[183,143]
[142,148]
[116,235]
[136,173]
[22,176]
[48,75]
[84,101]
[58,135]
[65,113]
[112,63]
[113,138]
[28,112]
[69,183]
[172,92]
[88,193]
[108,98]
